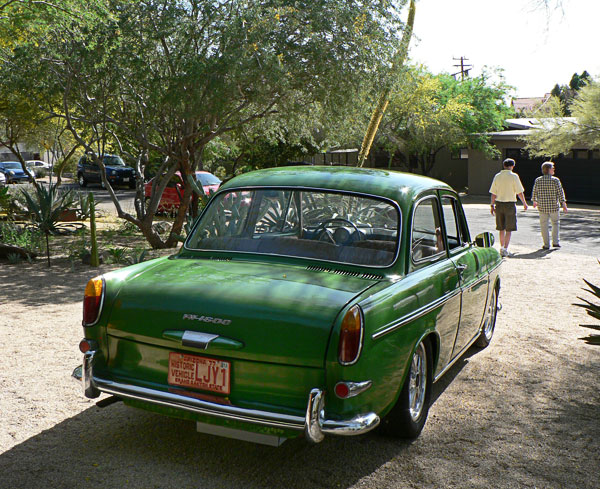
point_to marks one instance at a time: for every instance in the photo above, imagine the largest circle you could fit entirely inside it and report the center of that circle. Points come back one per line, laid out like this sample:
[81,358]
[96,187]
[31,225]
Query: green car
[306,301]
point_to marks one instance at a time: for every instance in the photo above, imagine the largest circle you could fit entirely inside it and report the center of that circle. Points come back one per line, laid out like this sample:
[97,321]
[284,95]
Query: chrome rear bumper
[313,424]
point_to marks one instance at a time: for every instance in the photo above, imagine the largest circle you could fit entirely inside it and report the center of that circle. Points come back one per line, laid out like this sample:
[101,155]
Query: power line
[464,68]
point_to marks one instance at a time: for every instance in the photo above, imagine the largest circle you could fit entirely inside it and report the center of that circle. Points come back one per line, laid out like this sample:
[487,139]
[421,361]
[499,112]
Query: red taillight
[84,346]
[351,336]
[342,390]
[92,300]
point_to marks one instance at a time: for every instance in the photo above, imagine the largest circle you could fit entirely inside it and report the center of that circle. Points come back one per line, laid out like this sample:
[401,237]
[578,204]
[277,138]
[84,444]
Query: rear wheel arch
[400,421]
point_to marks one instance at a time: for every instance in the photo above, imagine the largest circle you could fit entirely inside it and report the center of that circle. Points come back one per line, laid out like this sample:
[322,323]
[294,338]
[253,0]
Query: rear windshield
[335,227]
[207,179]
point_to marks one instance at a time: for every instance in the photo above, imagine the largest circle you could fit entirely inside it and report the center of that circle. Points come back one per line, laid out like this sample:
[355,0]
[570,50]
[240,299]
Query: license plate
[126,179]
[199,372]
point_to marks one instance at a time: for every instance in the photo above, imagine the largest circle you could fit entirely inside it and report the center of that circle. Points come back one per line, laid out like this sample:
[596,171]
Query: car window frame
[392,202]
[458,221]
[427,260]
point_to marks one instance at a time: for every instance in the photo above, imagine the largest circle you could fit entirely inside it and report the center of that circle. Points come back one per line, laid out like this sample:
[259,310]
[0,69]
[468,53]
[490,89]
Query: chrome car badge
[207,319]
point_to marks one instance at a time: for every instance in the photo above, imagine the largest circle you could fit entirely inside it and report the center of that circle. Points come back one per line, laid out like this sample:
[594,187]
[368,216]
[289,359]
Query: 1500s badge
[207,319]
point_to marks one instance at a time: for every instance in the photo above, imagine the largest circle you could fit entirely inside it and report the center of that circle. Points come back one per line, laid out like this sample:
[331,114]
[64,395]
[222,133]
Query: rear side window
[427,239]
[449,209]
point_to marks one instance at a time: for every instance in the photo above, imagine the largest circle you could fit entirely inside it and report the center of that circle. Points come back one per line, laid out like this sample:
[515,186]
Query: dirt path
[524,413]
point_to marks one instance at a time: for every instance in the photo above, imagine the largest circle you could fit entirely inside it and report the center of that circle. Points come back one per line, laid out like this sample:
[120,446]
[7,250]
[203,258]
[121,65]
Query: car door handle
[461,269]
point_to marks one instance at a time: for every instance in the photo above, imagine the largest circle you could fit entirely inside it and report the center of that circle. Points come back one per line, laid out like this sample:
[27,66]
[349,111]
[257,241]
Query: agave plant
[593,310]
[45,208]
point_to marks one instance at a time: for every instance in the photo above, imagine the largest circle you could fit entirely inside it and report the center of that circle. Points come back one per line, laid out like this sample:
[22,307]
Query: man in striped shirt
[548,196]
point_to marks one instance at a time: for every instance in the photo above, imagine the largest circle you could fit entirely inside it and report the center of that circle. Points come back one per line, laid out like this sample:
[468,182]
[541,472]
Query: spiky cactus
[593,310]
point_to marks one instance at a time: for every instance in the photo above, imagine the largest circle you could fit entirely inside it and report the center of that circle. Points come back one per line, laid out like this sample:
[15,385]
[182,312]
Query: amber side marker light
[351,336]
[92,300]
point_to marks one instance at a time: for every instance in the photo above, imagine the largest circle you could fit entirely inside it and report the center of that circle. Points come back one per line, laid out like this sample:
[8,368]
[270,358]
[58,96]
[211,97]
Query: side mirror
[484,240]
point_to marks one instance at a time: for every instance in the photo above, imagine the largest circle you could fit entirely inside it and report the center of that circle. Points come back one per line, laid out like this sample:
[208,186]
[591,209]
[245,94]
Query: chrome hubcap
[490,314]
[417,382]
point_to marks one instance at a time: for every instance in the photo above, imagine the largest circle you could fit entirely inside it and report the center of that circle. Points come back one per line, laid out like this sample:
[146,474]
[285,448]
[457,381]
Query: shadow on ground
[44,285]
[120,446]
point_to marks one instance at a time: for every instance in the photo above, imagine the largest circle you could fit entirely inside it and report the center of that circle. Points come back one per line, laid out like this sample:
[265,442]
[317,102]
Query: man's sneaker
[503,252]
[556,245]
[545,247]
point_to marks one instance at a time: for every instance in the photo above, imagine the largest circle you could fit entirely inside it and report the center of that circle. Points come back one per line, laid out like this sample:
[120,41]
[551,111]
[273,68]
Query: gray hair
[546,167]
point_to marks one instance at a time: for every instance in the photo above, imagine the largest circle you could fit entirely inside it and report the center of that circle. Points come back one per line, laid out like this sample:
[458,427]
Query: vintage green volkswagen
[306,300]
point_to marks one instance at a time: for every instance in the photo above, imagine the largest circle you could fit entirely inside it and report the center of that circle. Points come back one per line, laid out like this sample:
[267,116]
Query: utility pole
[464,68]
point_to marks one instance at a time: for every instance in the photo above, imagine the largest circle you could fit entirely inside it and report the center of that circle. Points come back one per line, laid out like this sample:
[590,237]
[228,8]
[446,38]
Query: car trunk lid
[276,313]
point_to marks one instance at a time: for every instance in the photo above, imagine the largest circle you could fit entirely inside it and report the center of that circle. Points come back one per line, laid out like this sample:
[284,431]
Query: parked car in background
[38,167]
[117,172]
[2,179]
[13,172]
[305,301]
[171,197]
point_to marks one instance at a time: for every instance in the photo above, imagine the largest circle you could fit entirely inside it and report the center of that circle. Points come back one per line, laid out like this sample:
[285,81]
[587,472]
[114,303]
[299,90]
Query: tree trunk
[384,98]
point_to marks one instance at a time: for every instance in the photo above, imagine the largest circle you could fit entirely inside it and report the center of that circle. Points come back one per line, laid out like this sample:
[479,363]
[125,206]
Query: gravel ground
[523,413]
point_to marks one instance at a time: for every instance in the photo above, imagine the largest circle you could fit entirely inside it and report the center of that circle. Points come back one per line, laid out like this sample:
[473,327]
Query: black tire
[81,180]
[132,184]
[407,417]
[489,321]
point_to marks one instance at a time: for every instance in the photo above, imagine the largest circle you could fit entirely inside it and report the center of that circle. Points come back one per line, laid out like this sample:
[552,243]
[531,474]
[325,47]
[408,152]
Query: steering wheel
[322,230]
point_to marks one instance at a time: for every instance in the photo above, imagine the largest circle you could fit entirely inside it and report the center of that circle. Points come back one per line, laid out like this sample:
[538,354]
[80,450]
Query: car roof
[398,186]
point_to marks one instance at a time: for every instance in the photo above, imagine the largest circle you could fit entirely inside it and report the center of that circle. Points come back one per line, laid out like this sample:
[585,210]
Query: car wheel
[132,184]
[407,417]
[489,321]
[82,181]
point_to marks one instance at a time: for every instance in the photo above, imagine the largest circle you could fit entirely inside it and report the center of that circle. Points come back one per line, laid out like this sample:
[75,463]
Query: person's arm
[519,191]
[561,197]
[522,197]
[493,204]
[534,196]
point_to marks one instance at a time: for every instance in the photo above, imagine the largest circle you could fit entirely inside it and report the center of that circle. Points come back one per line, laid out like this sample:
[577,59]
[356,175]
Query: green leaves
[430,112]
[557,134]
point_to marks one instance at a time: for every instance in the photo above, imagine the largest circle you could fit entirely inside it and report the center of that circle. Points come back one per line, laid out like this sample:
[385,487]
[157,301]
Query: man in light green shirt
[505,188]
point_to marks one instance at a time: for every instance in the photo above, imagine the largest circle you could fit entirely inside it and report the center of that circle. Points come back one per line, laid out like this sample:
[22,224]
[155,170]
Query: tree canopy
[431,112]
[158,79]
[558,134]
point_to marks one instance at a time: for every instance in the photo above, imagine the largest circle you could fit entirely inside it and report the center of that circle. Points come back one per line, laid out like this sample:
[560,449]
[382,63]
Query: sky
[536,48]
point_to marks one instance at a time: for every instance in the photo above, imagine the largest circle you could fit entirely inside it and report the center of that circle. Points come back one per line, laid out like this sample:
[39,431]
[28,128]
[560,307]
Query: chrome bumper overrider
[314,424]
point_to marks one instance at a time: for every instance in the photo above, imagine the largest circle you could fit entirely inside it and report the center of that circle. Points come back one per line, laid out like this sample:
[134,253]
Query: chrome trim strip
[472,286]
[496,267]
[398,323]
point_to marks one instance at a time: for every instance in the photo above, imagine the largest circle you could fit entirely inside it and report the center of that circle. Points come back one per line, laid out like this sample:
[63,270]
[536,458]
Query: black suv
[117,172]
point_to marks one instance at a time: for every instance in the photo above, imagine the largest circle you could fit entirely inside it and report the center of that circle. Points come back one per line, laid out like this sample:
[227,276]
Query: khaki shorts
[506,216]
